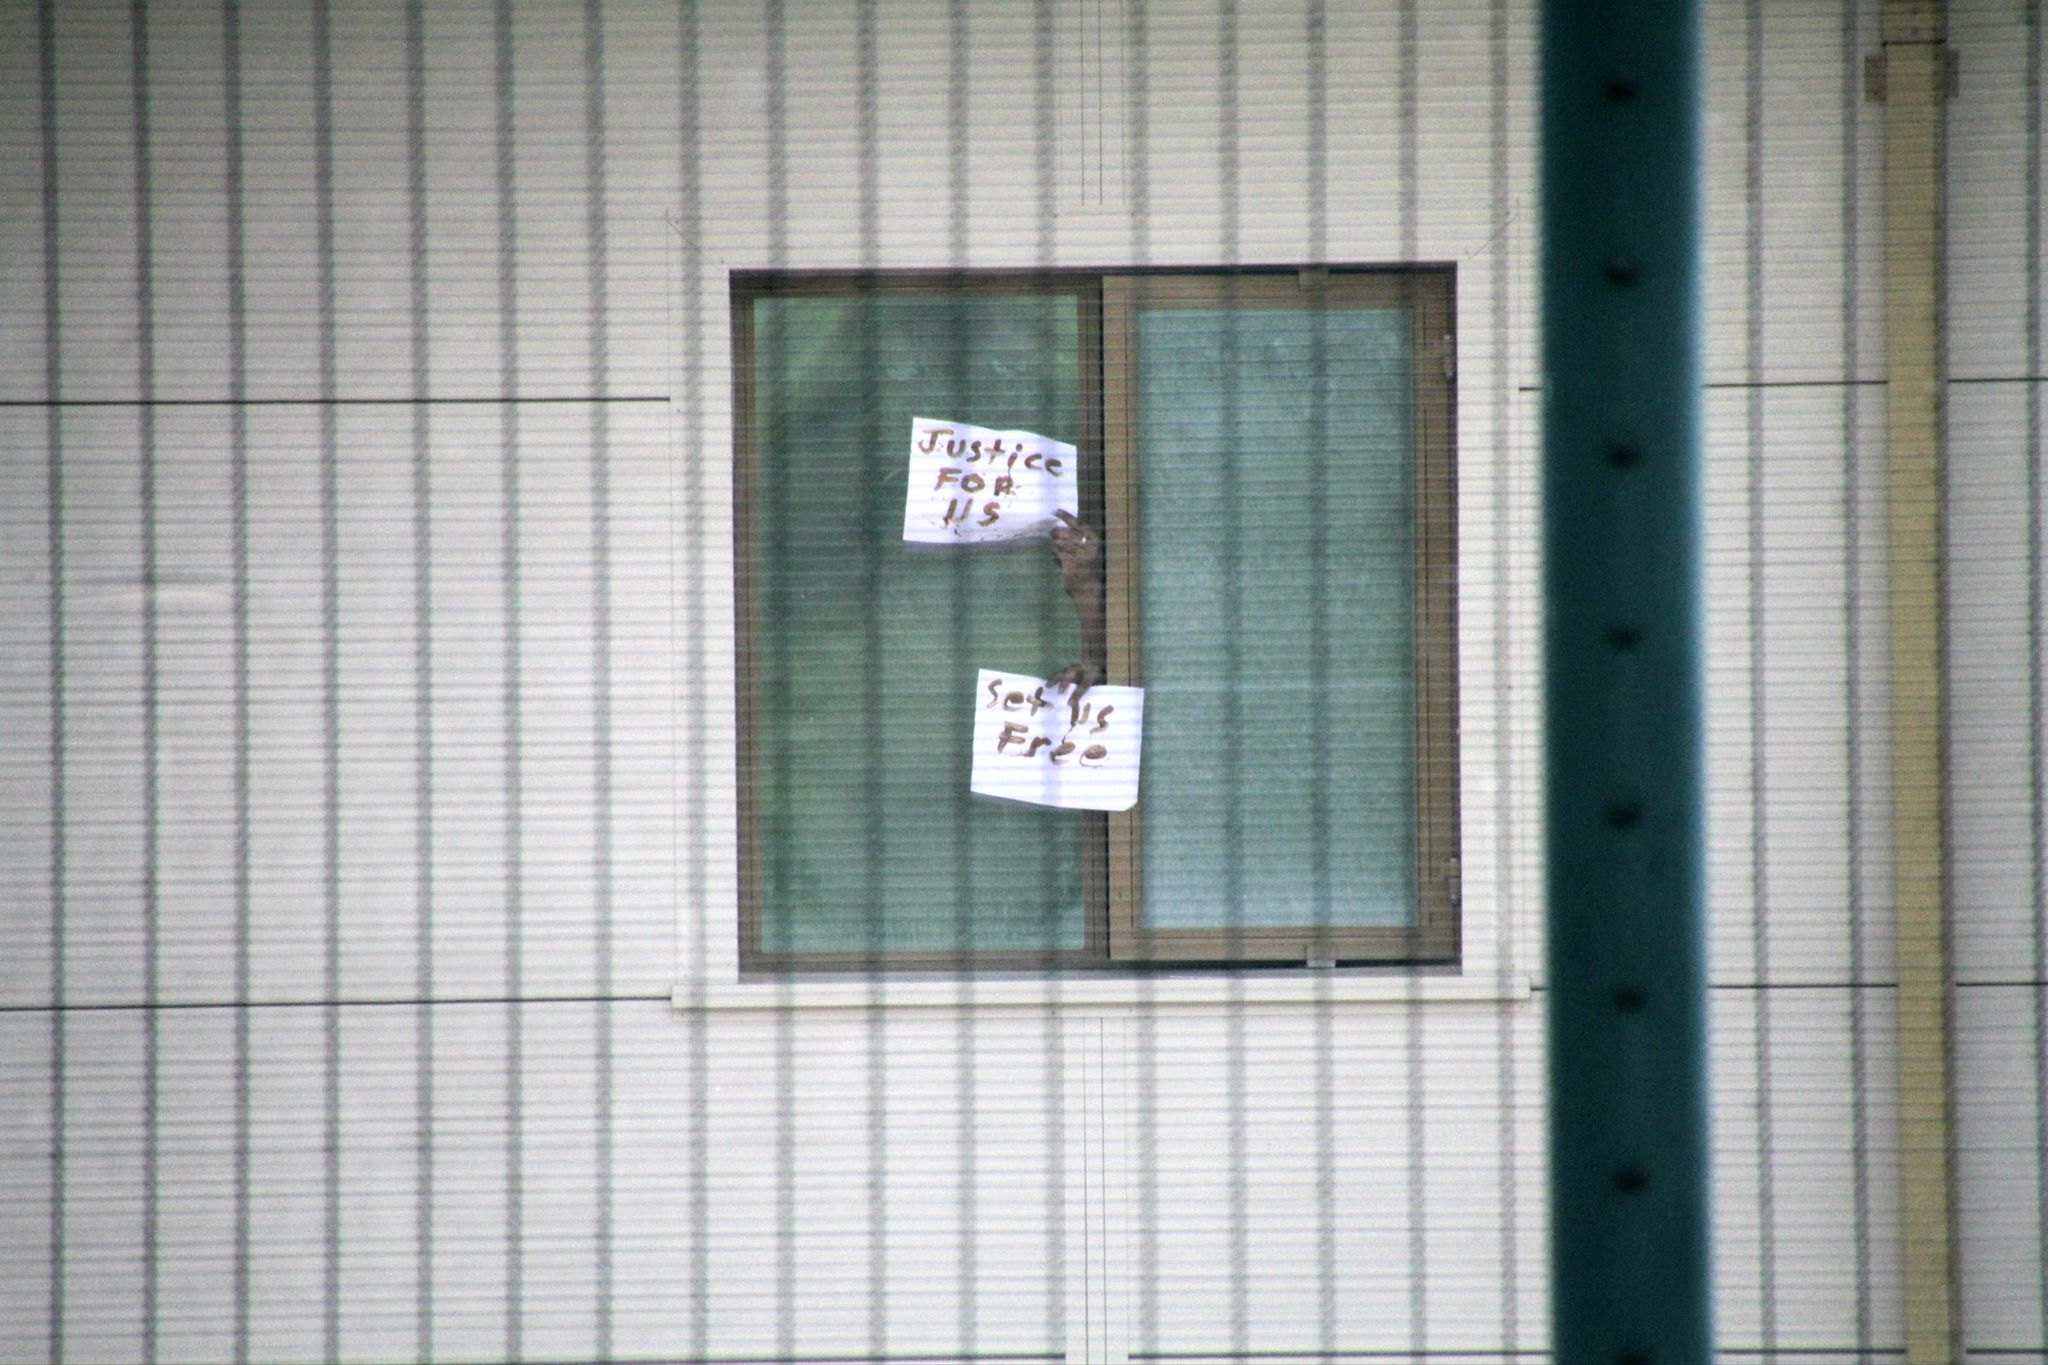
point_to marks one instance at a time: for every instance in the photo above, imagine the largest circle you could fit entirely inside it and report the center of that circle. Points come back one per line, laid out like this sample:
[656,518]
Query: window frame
[1115,938]
[746,286]
[1426,293]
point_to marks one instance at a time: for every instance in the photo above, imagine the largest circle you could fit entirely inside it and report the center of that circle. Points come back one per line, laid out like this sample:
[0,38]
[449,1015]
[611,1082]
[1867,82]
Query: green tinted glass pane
[867,648]
[1276,599]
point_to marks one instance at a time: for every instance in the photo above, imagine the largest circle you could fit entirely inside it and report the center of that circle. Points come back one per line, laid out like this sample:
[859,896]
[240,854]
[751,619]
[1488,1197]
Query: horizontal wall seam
[138,1007]
[1717,384]
[415,1002]
[1738,384]
[314,401]
[1011,1358]
[1720,1353]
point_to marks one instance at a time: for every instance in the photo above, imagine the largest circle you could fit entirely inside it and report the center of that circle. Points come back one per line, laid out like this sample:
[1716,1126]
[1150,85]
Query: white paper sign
[1042,744]
[973,486]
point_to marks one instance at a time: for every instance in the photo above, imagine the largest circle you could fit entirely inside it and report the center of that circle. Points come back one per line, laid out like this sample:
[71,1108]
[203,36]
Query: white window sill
[1079,992]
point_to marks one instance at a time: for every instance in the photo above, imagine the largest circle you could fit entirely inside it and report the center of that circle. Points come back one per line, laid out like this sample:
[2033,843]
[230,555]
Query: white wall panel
[102,719]
[1795,664]
[2001,1063]
[105,1193]
[1995,279]
[1994,754]
[27,724]
[22,349]
[1989,135]
[1820,168]
[195,718]
[1793,182]
[1805,1170]
[469,1201]
[372,215]
[287,654]
[287,1208]
[196,1184]
[1413,1162]
[187,213]
[280,226]
[30,1157]
[97,210]
[375,644]
[378,1086]
[559,1263]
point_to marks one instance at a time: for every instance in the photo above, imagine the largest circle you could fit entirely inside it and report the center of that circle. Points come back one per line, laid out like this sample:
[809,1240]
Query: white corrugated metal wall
[365,697]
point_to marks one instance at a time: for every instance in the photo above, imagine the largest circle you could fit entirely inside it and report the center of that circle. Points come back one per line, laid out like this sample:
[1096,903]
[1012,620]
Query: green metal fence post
[1624,745]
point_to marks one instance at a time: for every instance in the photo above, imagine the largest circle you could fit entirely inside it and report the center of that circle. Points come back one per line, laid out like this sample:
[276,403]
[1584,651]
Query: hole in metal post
[1623,271]
[1620,90]
[1629,999]
[1624,815]
[1624,454]
[1631,1179]
[1623,638]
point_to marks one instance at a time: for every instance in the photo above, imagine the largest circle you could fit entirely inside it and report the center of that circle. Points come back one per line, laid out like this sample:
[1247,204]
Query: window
[1268,457]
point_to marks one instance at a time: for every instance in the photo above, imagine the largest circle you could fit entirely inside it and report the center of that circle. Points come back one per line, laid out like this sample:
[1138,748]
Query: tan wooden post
[1913,78]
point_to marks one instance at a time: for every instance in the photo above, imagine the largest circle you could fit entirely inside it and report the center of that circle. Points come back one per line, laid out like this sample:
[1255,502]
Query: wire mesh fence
[490,864]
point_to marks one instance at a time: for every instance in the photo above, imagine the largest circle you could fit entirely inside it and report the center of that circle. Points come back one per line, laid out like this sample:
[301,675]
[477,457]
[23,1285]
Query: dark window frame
[1107,442]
